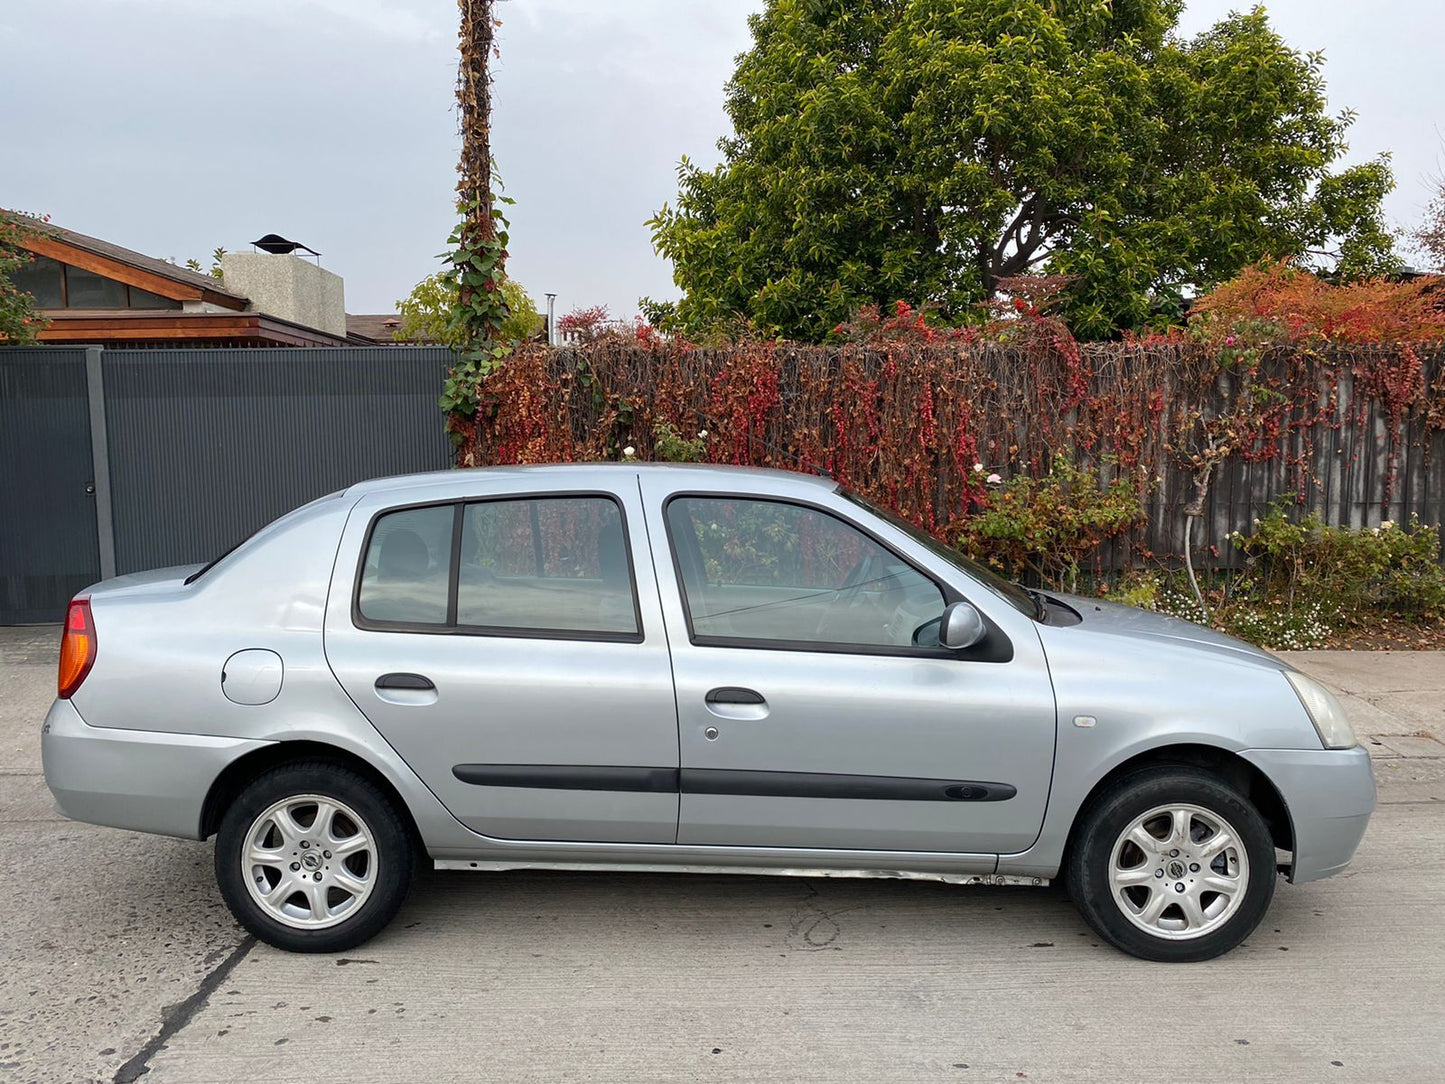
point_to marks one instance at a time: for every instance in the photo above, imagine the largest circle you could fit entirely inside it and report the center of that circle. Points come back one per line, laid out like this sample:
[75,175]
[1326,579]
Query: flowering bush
[20,318]
[1051,525]
[1276,626]
[1355,572]
[672,447]
[1273,623]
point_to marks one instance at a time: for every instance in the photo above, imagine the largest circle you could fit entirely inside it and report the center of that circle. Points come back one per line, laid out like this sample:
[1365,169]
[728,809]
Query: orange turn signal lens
[77,647]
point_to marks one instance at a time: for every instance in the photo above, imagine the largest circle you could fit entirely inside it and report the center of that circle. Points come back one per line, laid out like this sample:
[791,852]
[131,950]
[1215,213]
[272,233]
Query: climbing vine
[1282,384]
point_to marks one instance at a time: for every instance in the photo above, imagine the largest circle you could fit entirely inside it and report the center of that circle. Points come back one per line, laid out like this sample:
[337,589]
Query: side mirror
[961,626]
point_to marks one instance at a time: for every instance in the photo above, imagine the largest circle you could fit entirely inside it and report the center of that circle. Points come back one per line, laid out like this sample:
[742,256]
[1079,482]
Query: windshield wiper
[1040,609]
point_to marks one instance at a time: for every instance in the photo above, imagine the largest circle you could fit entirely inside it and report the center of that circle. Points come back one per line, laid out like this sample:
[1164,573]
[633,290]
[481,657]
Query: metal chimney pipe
[551,319]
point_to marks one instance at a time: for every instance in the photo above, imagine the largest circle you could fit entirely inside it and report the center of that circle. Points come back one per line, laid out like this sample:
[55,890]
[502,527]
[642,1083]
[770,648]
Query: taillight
[77,647]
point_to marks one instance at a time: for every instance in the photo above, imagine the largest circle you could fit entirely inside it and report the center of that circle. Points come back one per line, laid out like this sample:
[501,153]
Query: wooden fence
[1356,433]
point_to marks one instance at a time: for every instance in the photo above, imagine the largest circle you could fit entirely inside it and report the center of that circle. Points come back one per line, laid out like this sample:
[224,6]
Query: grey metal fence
[120,460]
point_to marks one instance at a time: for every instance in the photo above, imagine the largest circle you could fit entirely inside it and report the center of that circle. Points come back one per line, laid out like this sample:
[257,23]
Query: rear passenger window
[546,563]
[533,566]
[408,563]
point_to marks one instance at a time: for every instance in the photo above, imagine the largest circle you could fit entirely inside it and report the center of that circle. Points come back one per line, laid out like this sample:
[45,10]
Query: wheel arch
[1233,769]
[242,771]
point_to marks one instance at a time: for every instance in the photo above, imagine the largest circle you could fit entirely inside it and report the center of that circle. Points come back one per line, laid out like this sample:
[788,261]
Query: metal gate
[49,545]
[113,461]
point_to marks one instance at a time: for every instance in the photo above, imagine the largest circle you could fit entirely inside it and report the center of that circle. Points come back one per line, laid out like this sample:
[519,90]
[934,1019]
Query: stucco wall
[288,287]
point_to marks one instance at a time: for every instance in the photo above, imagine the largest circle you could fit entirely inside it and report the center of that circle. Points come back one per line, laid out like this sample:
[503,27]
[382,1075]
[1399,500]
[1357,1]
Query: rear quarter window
[408,564]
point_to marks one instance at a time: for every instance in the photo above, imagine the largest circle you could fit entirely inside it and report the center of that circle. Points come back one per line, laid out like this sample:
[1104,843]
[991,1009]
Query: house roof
[103,257]
[377,326]
[173,327]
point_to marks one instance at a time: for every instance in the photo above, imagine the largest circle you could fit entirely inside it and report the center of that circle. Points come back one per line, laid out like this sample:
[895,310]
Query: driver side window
[761,570]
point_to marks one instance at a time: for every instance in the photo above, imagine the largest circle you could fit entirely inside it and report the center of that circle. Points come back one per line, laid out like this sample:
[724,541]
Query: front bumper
[137,779]
[1330,794]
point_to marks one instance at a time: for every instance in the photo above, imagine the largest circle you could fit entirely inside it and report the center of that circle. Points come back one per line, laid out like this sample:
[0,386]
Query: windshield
[1011,593]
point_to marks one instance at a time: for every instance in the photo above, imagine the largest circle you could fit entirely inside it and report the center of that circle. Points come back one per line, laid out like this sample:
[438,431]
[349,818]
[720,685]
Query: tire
[1171,864]
[300,822]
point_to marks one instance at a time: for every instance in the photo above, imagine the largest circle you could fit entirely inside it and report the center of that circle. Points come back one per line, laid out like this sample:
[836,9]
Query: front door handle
[405,681]
[731,702]
[731,694]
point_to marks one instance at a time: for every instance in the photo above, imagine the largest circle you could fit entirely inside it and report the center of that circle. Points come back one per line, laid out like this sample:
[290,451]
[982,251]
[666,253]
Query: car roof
[702,475]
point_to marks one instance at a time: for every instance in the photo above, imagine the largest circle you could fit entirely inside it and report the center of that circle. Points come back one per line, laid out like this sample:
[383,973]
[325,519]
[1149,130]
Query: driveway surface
[118,960]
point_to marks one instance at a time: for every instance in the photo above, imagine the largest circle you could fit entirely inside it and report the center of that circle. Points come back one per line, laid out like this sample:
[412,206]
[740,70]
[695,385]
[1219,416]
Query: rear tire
[1172,865]
[313,857]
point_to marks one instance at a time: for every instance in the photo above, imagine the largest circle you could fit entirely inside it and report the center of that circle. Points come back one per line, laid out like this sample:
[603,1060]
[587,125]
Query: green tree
[429,312]
[925,149]
[20,320]
[1429,235]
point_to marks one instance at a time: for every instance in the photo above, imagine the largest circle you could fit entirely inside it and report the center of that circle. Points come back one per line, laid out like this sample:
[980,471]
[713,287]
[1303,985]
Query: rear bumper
[135,779]
[1330,794]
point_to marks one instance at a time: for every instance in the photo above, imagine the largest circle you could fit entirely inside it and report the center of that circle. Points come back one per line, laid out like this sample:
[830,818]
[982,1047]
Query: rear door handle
[405,681]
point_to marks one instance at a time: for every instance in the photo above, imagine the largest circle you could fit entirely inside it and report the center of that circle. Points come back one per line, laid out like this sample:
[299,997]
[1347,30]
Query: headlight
[1324,711]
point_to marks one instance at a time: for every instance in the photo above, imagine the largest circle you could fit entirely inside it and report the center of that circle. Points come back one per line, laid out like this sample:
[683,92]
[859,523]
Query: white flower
[994,479]
[978,468]
[1385,526]
[702,434]
[629,451]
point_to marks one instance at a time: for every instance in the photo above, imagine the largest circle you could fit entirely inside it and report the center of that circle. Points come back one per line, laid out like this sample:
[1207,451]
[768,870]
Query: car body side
[150,740]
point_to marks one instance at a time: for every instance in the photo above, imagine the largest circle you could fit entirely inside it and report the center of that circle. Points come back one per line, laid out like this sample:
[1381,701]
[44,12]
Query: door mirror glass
[960,627]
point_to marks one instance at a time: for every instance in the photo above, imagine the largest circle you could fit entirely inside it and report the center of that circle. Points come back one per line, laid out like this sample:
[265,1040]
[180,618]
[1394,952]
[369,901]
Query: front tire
[1172,865]
[313,857]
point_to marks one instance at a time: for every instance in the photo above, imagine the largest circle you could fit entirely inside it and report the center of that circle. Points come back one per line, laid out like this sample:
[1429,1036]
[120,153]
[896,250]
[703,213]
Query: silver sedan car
[657,667]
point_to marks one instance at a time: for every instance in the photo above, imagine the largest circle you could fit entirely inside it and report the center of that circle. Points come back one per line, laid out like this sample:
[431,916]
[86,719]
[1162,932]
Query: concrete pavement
[118,960]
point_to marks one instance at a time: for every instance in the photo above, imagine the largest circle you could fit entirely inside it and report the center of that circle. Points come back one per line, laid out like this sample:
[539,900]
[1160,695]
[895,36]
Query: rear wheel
[313,857]
[1172,864]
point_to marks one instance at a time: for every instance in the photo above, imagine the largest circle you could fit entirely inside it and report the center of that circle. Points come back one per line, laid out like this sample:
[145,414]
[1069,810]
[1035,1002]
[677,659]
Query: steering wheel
[850,594]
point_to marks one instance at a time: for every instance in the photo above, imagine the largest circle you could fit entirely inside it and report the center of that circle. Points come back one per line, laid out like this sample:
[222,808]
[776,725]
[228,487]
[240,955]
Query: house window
[55,285]
[43,279]
[87,290]
[144,299]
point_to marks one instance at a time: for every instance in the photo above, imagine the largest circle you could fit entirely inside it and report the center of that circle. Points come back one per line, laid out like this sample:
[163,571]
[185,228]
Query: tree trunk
[474,107]
[1192,511]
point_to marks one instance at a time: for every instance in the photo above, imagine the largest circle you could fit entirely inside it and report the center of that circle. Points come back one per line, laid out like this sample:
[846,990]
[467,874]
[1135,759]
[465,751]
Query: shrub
[1050,525]
[670,446]
[1279,627]
[1355,572]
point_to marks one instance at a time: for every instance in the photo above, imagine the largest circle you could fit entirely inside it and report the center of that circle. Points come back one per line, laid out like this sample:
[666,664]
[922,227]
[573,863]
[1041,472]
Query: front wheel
[1171,864]
[312,857]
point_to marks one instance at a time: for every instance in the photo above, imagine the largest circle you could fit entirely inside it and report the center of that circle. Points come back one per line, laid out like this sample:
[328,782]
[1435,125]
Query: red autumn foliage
[905,423]
[1305,308]
[1278,373]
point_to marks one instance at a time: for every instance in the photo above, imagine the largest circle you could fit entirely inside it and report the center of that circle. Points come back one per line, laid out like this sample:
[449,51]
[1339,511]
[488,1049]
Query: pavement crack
[175,1017]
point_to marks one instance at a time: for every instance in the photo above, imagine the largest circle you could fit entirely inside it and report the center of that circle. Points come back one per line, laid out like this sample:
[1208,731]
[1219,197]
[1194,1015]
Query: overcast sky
[176,126]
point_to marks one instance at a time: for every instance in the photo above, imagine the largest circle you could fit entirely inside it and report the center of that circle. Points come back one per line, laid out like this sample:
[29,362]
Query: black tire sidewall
[395,857]
[1112,812]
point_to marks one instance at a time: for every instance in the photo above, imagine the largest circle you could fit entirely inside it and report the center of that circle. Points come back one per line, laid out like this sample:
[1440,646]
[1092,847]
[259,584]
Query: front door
[812,712]
[502,646]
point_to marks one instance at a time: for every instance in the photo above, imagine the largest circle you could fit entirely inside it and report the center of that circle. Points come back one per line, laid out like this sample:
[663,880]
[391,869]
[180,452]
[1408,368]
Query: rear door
[509,646]
[813,712]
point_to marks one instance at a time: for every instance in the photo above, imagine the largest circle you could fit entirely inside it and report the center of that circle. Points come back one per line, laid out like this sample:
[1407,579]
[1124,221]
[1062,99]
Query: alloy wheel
[309,861]
[1179,871]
